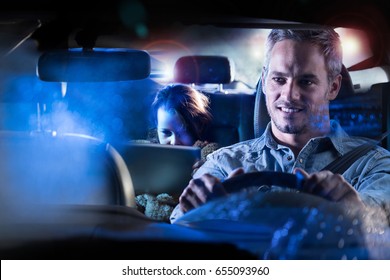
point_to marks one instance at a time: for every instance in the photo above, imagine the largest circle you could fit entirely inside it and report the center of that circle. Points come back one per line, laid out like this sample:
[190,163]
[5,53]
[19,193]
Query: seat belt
[342,163]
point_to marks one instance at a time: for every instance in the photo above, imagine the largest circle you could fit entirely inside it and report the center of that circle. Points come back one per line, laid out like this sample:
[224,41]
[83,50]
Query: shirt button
[300,160]
[289,157]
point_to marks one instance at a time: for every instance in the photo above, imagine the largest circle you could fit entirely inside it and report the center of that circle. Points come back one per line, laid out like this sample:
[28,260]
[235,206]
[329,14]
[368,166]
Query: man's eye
[306,82]
[279,80]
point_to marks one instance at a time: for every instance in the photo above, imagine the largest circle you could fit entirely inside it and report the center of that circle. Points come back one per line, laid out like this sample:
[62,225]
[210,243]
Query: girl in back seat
[180,115]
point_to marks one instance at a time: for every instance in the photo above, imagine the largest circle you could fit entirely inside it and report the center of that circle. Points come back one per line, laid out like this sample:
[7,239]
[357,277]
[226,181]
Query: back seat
[232,118]
[232,109]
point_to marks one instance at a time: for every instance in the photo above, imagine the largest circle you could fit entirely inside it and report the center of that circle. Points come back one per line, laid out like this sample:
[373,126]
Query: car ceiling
[347,13]
[60,18]
[310,11]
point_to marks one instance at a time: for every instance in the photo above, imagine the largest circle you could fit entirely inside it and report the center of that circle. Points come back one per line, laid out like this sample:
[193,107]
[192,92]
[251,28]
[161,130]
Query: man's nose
[290,91]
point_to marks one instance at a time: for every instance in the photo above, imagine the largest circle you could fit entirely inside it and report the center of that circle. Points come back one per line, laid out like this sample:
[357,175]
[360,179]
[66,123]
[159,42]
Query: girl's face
[171,128]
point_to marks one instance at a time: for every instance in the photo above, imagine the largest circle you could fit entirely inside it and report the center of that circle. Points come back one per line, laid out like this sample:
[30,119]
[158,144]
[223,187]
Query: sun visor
[97,65]
[204,70]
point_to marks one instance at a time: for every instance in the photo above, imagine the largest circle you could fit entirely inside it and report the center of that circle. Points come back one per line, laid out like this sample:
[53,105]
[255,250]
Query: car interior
[234,121]
[76,88]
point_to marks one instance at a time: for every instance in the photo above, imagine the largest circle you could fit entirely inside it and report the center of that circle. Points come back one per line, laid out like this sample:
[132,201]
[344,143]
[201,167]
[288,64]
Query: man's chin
[289,128]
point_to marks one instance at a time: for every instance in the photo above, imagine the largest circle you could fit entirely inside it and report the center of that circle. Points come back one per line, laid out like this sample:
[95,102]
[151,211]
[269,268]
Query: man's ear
[335,87]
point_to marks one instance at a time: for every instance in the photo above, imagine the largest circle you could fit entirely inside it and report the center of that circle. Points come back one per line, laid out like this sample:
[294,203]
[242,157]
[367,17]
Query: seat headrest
[260,116]
[201,69]
[346,88]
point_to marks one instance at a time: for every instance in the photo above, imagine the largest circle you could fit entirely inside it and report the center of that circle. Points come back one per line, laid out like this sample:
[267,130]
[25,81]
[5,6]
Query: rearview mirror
[97,65]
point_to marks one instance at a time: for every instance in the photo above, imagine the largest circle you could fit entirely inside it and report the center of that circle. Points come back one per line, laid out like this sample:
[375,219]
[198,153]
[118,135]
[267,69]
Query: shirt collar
[336,135]
[269,140]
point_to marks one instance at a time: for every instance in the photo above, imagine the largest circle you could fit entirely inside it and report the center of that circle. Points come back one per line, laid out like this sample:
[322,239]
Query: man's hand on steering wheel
[325,184]
[330,186]
[203,189]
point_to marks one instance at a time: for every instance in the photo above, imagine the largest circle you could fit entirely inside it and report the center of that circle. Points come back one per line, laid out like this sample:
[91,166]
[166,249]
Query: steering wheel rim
[259,178]
[288,181]
[300,214]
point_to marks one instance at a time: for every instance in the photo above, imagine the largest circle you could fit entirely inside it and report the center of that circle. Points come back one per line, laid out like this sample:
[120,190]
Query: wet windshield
[65,142]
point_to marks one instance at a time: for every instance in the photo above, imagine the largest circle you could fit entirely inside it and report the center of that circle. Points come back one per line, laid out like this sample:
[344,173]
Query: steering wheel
[287,200]
[280,198]
[265,218]
[282,179]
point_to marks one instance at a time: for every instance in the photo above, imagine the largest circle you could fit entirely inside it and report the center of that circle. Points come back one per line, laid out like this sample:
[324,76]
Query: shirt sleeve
[373,183]
[211,166]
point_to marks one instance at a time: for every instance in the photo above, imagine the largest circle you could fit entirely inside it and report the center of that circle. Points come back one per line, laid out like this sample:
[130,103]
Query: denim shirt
[369,175]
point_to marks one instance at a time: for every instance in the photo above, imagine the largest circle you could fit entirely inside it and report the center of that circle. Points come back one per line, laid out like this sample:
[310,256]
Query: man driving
[301,75]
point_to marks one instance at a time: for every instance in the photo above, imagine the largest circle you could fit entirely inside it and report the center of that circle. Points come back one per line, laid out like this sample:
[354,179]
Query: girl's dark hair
[189,103]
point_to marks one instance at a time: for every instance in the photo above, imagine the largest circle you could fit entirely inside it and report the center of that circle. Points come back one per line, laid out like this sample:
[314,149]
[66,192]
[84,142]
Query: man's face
[297,88]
